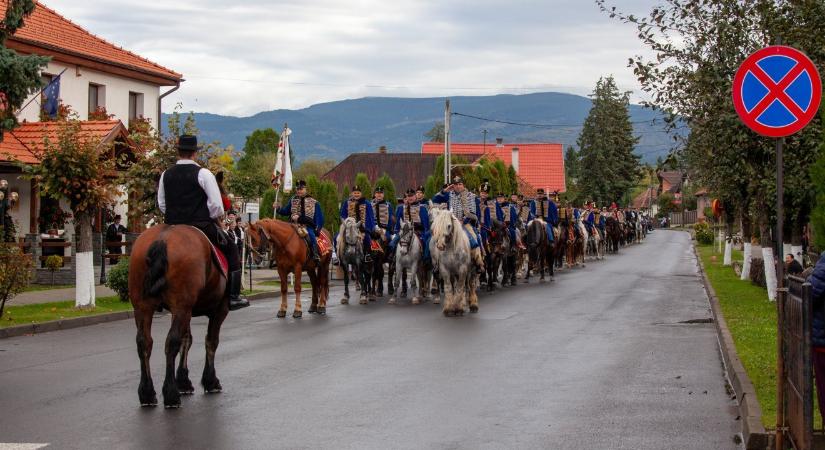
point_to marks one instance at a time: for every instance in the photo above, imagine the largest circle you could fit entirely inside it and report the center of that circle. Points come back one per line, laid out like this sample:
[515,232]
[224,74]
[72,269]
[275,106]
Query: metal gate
[798,384]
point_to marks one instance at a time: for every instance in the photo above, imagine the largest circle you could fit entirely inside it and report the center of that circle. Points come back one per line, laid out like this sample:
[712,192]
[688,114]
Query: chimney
[514,161]
[382,149]
[499,142]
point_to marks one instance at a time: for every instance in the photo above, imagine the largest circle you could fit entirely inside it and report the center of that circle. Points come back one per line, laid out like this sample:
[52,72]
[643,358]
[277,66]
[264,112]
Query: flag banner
[51,94]
[282,174]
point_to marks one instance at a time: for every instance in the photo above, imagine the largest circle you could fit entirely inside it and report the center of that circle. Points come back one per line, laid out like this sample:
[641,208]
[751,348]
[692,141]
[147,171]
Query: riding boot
[314,253]
[235,299]
[479,260]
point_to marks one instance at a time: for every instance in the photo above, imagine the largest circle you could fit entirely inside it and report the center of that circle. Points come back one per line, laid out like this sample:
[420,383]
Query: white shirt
[207,181]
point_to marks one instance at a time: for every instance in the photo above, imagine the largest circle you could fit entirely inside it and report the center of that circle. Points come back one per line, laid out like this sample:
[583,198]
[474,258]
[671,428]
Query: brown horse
[292,255]
[172,267]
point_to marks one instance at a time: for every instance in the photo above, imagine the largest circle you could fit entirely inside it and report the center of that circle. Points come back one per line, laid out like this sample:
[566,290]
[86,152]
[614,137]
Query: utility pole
[484,146]
[447,156]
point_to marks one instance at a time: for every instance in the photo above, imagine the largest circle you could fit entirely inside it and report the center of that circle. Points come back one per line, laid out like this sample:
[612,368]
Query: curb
[754,435]
[67,324]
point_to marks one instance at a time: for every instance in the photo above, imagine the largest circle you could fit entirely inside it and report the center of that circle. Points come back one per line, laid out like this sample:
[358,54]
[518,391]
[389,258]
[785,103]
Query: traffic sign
[777,91]
[252,208]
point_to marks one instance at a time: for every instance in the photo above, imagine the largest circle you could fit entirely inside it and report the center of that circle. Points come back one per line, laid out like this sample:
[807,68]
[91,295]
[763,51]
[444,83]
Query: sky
[242,57]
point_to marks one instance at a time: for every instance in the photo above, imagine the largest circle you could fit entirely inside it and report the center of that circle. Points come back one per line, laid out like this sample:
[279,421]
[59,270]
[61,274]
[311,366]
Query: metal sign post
[777,92]
[251,208]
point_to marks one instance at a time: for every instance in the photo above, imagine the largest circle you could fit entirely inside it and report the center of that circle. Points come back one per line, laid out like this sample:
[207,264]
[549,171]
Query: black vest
[185,198]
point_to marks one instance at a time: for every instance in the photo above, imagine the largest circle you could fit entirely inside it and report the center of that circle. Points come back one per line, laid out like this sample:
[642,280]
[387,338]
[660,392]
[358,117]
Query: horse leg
[313,281]
[322,280]
[182,377]
[473,283]
[415,278]
[404,282]
[296,314]
[143,320]
[284,277]
[171,394]
[209,381]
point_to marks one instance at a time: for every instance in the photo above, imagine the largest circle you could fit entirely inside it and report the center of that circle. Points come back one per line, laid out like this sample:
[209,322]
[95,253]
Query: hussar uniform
[383,211]
[305,211]
[361,211]
[546,210]
[465,207]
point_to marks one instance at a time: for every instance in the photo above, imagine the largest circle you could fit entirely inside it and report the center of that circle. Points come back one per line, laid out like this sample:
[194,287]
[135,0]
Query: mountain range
[336,129]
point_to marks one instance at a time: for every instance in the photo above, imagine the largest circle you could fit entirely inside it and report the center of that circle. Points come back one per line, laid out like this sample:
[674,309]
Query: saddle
[217,256]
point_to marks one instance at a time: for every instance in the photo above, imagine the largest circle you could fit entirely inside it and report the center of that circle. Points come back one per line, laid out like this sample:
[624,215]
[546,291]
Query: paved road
[597,359]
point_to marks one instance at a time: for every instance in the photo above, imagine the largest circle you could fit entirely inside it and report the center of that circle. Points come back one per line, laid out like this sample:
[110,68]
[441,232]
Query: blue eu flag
[52,97]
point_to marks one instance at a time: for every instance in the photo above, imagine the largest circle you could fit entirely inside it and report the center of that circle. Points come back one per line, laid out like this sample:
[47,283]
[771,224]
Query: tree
[363,181]
[389,187]
[571,165]
[436,133]
[75,167]
[313,166]
[251,183]
[267,212]
[261,142]
[15,273]
[606,142]
[19,74]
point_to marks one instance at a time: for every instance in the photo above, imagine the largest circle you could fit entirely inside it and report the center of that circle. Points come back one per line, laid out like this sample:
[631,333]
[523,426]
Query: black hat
[500,194]
[458,180]
[420,189]
[540,191]
[188,143]
[445,186]
[485,186]
[379,189]
[300,184]
[410,191]
[356,188]
[514,193]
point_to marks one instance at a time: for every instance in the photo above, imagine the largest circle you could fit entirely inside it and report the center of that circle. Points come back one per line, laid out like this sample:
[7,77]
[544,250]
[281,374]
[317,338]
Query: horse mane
[340,242]
[459,240]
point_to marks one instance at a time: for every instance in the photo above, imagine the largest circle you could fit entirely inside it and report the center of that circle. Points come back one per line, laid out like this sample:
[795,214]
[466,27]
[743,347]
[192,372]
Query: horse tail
[155,279]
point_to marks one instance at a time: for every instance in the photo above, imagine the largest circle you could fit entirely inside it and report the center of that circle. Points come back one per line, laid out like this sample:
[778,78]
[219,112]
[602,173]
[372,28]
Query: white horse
[408,255]
[450,252]
[585,239]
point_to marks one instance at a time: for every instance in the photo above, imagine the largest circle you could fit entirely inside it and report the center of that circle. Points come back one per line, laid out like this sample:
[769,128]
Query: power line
[542,125]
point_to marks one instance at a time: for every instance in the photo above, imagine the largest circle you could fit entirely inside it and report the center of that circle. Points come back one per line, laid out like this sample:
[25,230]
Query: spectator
[817,280]
[792,266]
[114,233]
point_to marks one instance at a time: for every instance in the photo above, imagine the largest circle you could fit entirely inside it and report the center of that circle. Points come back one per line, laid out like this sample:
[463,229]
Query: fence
[798,382]
[683,218]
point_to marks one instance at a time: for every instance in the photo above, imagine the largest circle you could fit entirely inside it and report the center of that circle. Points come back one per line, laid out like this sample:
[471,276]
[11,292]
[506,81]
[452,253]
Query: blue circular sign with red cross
[777,91]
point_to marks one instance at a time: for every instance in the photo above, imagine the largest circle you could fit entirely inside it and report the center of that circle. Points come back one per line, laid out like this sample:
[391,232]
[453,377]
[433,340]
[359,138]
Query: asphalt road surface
[597,359]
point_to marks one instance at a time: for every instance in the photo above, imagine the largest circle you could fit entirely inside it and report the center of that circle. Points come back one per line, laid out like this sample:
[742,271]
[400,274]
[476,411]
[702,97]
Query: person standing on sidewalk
[817,280]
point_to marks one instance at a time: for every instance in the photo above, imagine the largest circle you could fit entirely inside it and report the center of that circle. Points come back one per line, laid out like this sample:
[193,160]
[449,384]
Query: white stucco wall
[74,91]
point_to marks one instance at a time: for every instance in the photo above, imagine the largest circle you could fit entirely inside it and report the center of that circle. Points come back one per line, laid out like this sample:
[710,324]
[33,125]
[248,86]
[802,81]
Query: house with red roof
[97,76]
[538,165]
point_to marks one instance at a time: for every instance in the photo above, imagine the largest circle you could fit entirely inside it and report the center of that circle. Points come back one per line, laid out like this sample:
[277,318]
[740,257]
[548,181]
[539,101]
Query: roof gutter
[160,103]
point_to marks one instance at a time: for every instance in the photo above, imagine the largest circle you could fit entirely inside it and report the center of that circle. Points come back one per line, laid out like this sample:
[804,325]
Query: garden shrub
[118,279]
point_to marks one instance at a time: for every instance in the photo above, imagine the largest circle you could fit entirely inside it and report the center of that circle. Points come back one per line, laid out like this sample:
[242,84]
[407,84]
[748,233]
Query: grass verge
[277,283]
[45,312]
[751,318]
[46,287]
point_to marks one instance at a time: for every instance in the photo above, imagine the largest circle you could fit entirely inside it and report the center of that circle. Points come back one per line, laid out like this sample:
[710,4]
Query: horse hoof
[416,301]
[297,315]
[363,301]
[392,301]
[345,301]
[172,406]
[436,301]
[216,390]
[448,313]
[281,314]
[459,312]
[313,309]
[186,391]
[322,311]
[473,308]
[149,405]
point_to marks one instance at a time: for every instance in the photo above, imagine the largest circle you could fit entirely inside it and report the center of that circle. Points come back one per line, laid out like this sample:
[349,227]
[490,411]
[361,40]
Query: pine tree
[609,168]
[19,74]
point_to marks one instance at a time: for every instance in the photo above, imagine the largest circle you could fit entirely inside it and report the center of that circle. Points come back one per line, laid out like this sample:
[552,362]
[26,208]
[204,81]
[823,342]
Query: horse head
[405,237]
[352,234]
[258,241]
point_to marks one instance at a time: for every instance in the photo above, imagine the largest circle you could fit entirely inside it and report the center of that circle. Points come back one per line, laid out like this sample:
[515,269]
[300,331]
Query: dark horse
[613,234]
[379,257]
[539,250]
[495,252]
[172,267]
[292,255]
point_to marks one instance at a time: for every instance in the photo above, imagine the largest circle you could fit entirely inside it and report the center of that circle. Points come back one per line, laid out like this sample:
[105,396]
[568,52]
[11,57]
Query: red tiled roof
[47,29]
[24,142]
[645,199]
[541,165]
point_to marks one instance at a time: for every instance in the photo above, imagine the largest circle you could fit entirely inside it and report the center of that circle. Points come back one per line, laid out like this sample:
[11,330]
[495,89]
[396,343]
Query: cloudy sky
[243,57]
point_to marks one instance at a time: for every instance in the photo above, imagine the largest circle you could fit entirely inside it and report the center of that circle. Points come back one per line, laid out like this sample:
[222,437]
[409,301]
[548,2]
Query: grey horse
[407,257]
[450,251]
[351,248]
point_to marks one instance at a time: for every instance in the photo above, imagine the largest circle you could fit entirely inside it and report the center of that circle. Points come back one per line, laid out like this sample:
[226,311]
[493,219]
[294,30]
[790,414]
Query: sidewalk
[58,295]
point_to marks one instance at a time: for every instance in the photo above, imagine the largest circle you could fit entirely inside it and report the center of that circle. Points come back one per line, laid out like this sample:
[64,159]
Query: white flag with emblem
[282,175]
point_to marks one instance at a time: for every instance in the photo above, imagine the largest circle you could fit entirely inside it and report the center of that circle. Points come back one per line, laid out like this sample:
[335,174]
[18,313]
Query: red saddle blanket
[376,246]
[220,259]
[324,244]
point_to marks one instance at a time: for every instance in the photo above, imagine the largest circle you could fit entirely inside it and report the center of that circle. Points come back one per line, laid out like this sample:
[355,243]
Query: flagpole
[280,180]
[40,93]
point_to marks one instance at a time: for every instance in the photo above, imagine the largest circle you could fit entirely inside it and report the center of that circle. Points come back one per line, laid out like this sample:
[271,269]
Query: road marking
[21,446]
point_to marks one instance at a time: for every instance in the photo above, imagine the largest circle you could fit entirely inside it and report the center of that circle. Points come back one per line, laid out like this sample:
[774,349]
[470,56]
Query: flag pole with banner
[282,174]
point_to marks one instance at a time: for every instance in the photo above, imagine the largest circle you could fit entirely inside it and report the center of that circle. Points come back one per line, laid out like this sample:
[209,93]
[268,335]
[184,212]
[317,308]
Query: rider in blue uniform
[487,206]
[383,211]
[506,213]
[304,210]
[360,209]
[546,210]
[590,217]
[465,207]
[416,213]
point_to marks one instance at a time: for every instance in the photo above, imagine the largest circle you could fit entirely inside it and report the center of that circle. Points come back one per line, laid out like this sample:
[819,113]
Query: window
[135,106]
[97,98]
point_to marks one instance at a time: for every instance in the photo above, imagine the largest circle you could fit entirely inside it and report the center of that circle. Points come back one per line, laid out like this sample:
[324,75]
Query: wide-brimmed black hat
[300,184]
[188,143]
[379,189]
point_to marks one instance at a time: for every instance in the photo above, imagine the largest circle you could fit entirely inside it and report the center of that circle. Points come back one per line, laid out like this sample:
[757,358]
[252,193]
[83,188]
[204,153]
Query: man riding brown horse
[188,194]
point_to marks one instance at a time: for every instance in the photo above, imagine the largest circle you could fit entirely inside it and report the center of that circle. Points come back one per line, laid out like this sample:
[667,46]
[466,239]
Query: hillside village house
[96,76]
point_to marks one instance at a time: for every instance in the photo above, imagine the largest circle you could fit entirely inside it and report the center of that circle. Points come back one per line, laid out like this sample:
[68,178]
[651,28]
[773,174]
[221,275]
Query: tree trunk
[747,246]
[84,264]
[767,253]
